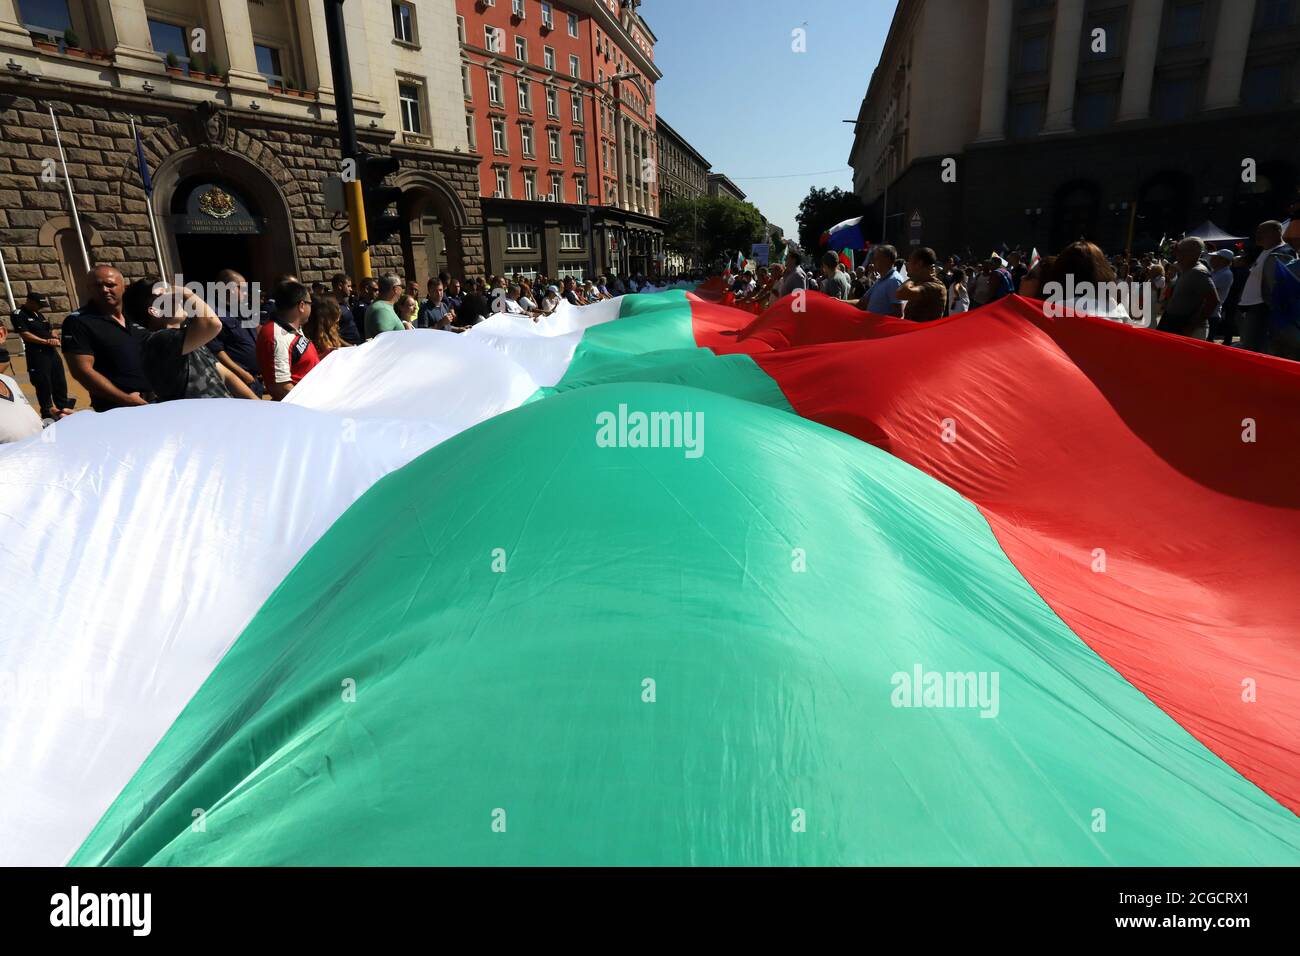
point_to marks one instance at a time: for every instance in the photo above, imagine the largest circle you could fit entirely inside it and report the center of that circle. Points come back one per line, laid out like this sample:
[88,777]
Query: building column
[620,142]
[232,36]
[316,51]
[1065,66]
[997,67]
[128,26]
[1228,61]
[1140,59]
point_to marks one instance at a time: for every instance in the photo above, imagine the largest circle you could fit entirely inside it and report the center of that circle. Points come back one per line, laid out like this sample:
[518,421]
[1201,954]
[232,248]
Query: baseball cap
[1223,254]
[38,297]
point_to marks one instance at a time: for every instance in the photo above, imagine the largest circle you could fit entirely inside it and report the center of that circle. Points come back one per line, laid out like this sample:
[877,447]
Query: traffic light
[378,196]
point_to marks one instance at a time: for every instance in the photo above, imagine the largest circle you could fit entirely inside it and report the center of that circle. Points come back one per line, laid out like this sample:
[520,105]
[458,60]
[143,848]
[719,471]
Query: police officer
[44,364]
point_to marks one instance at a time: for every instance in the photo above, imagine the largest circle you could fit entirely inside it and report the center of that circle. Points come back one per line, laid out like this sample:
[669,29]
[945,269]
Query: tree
[821,209]
[709,228]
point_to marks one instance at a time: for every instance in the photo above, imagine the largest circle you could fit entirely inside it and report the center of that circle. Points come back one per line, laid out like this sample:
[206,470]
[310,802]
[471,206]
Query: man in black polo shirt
[44,366]
[341,286]
[103,348]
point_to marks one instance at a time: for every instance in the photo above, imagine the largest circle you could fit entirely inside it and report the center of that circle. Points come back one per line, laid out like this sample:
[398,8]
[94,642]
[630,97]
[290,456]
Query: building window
[526,138]
[268,63]
[570,238]
[503,183]
[548,20]
[1184,24]
[530,185]
[460,29]
[469,131]
[465,85]
[517,8]
[552,107]
[577,108]
[1172,98]
[1274,14]
[1033,54]
[408,101]
[521,49]
[494,88]
[165,38]
[573,25]
[520,235]
[575,66]
[1025,118]
[557,187]
[553,142]
[1262,85]
[525,96]
[498,135]
[579,150]
[51,19]
[580,189]
[548,57]
[1094,110]
[404,22]
[493,39]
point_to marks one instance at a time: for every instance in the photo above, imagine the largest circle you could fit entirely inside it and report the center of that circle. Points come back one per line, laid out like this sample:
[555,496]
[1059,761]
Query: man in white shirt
[1257,293]
[18,420]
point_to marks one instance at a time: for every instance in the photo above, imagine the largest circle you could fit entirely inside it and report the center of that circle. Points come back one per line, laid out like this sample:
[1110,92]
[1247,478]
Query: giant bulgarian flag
[657,582]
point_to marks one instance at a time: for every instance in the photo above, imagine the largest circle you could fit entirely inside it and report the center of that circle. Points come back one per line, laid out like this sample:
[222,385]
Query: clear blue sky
[716,54]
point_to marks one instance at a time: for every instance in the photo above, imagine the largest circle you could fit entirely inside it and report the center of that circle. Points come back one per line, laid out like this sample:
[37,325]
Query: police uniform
[44,364]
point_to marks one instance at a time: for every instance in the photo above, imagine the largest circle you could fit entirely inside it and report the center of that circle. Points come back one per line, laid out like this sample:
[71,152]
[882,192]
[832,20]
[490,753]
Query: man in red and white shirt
[284,354]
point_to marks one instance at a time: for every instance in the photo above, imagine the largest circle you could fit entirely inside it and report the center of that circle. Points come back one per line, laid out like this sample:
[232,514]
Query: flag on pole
[847,234]
[145,178]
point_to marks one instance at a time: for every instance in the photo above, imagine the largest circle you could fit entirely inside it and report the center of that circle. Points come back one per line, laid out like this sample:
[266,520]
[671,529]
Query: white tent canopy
[1212,233]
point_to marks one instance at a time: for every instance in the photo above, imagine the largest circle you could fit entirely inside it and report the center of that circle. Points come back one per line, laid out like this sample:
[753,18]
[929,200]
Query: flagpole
[148,205]
[9,290]
[72,200]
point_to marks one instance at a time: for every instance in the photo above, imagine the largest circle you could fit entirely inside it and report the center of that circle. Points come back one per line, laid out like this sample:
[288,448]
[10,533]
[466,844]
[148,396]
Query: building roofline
[660,123]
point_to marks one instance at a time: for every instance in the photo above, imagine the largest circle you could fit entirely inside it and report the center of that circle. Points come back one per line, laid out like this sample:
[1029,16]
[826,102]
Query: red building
[559,105]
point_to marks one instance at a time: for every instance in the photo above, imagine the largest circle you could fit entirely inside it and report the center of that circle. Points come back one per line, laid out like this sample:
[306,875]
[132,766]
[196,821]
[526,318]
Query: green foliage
[821,209]
[711,227]
[71,39]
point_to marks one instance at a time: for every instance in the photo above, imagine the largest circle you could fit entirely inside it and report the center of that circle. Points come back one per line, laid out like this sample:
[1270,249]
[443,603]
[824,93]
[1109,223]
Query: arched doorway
[1074,213]
[1162,210]
[216,211]
[434,225]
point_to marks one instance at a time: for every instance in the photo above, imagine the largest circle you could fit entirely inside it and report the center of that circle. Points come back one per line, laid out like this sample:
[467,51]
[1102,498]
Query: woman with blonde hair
[322,326]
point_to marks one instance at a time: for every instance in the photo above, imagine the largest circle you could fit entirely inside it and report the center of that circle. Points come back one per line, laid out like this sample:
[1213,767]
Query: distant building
[720,185]
[682,174]
[559,108]
[1061,116]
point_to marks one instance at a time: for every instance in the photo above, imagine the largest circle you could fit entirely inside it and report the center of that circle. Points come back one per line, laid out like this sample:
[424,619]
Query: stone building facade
[1107,119]
[261,149]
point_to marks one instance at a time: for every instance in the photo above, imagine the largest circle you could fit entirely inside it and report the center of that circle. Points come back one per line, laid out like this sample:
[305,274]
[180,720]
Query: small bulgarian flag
[700,568]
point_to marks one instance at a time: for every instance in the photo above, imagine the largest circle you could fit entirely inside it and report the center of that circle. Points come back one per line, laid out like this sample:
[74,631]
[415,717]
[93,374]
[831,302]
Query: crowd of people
[1217,295]
[142,342]
[146,341]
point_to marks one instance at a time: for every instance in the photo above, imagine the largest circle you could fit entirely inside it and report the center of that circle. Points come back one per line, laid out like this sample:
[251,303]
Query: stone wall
[295,155]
